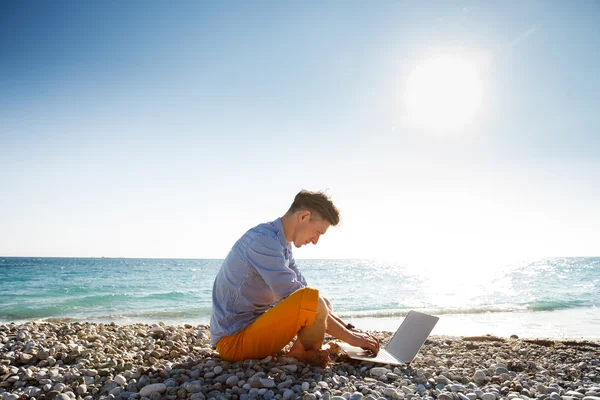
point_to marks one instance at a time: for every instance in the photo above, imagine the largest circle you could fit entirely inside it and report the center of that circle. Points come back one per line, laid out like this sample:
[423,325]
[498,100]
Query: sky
[451,130]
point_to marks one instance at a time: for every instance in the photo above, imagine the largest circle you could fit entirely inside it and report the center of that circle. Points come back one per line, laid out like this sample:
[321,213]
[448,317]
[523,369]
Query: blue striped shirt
[258,272]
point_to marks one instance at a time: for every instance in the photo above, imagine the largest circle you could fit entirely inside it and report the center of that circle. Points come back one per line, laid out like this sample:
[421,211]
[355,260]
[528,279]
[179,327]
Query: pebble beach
[82,360]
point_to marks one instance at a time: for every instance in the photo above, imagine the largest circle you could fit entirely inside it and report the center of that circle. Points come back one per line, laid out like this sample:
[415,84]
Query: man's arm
[332,315]
[360,339]
[266,256]
[294,268]
[337,328]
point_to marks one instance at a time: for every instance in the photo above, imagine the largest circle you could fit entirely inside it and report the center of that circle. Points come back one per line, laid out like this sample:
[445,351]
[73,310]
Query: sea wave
[548,305]
[528,307]
[192,315]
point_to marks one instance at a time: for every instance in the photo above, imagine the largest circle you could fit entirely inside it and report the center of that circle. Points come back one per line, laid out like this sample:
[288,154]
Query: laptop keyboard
[386,356]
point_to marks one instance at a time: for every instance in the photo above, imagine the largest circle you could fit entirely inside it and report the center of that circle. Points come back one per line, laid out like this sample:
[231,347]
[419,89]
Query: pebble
[479,376]
[156,387]
[232,381]
[88,361]
[120,379]
[379,371]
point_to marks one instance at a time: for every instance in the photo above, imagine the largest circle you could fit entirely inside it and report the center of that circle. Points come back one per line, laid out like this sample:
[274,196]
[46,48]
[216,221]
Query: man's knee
[322,309]
[329,306]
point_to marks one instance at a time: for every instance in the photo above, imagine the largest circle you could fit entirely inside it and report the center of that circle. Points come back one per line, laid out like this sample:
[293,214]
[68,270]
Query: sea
[550,298]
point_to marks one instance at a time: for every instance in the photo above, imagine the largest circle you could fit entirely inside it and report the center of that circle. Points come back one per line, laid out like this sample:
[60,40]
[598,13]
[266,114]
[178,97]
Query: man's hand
[365,341]
[349,334]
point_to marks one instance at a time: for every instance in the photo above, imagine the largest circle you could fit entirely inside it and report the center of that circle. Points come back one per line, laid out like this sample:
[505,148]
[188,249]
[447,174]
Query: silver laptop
[403,346]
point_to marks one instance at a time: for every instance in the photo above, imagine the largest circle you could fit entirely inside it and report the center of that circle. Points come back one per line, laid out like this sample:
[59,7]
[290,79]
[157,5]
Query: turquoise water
[379,293]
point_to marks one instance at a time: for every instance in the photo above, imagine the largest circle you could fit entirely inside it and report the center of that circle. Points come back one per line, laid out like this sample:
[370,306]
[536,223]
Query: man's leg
[312,336]
[275,328]
[310,339]
[332,319]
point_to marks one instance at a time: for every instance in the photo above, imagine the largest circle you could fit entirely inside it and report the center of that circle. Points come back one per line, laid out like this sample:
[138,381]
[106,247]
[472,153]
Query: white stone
[120,379]
[218,369]
[59,387]
[146,391]
[457,388]
[305,386]
[479,376]
[32,391]
[156,329]
[379,371]
[488,396]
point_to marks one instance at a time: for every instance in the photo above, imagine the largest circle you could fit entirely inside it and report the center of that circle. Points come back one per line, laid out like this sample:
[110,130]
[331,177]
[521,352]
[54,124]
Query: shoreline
[581,323]
[84,360]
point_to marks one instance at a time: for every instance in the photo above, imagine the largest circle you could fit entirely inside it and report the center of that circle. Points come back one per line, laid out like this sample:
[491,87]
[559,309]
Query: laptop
[403,346]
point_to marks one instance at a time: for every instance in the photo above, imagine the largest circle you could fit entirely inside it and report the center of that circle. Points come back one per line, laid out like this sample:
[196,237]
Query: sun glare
[443,94]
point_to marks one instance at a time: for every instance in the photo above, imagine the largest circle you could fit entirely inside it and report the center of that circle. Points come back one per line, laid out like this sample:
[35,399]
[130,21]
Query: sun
[443,94]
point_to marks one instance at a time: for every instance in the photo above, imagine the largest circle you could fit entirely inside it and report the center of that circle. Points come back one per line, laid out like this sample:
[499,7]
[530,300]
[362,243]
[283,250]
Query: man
[261,301]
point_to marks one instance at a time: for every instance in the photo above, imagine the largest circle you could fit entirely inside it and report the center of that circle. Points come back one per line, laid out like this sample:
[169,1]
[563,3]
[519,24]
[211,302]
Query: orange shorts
[274,329]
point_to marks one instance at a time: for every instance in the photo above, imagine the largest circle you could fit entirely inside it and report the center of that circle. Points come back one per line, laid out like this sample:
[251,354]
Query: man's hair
[316,202]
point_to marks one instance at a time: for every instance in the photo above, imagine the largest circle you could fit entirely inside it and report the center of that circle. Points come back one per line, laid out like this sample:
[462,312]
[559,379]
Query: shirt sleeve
[266,255]
[294,268]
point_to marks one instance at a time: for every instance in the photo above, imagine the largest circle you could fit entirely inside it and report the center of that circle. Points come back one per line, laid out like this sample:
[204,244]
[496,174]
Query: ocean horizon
[553,297]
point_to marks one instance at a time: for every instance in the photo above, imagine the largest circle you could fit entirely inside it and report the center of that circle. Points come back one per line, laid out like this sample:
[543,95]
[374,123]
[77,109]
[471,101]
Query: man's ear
[304,215]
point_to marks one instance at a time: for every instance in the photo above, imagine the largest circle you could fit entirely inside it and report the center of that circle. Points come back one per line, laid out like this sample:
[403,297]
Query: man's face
[309,229]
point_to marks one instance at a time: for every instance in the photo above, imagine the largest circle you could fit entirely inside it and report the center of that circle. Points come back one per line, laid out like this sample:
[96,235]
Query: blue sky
[142,129]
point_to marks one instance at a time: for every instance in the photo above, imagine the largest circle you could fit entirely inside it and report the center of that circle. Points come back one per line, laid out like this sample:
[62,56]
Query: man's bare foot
[313,357]
[319,358]
[332,347]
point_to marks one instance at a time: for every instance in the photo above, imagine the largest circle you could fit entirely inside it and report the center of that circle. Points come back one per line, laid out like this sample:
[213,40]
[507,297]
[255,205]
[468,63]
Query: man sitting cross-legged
[261,301]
